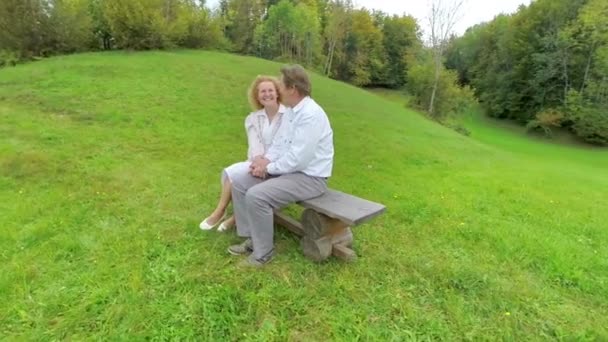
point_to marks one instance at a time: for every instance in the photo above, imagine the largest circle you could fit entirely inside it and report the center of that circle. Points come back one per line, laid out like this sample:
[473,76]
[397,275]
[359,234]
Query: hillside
[109,161]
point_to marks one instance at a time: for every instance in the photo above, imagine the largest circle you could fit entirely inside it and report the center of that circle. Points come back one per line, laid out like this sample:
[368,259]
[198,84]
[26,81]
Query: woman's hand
[259,173]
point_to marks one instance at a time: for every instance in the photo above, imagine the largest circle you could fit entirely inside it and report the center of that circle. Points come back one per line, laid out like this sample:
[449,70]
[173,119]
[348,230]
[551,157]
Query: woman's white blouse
[261,132]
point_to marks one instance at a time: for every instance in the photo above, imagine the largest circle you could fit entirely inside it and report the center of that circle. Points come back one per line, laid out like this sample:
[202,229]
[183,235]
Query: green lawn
[109,161]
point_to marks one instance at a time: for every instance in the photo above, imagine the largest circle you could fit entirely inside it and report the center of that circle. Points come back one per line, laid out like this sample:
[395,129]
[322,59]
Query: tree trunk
[435,82]
[283,45]
[330,55]
[331,59]
[587,68]
[308,48]
[602,95]
[432,102]
[566,79]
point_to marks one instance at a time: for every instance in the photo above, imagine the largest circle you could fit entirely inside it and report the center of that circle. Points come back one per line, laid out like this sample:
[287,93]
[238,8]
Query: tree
[336,30]
[421,81]
[587,104]
[543,66]
[101,27]
[135,24]
[401,37]
[464,52]
[25,27]
[241,19]
[193,26]
[364,53]
[290,32]
[71,25]
[442,18]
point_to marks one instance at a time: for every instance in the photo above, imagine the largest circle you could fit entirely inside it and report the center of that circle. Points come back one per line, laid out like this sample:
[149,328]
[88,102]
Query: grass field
[109,161]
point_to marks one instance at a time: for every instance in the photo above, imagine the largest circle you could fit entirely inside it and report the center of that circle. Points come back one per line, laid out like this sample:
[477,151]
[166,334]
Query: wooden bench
[326,222]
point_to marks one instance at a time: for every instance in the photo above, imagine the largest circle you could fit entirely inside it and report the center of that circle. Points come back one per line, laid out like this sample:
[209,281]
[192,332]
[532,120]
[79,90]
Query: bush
[450,98]
[591,124]
[71,27]
[8,58]
[25,27]
[588,120]
[458,127]
[134,24]
[200,31]
[545,120]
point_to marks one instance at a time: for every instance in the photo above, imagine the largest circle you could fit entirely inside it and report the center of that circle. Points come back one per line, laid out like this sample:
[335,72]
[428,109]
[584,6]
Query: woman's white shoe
[205,225]
[224,227]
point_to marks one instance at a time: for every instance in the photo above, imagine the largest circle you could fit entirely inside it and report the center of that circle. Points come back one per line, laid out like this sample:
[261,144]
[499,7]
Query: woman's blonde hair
[252,93]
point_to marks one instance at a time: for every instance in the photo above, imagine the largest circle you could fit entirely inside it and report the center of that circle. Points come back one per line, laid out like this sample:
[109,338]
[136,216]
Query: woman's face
[267,94]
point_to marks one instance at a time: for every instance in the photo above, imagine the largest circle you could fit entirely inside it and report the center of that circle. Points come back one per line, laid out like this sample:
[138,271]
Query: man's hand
[258,172]
[259,163]
[258,167]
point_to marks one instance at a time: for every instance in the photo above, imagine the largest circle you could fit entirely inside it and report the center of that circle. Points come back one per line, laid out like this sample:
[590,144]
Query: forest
[544,66]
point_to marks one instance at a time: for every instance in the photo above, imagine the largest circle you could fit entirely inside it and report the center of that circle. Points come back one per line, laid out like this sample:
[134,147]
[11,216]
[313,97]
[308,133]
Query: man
[295,168]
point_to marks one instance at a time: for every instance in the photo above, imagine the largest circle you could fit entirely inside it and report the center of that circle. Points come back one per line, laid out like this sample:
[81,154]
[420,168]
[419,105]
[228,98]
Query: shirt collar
[262,112]
[282,109]
[302,103]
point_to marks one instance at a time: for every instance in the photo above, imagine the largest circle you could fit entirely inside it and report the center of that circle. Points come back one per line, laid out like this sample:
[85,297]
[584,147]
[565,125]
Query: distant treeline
[545,65]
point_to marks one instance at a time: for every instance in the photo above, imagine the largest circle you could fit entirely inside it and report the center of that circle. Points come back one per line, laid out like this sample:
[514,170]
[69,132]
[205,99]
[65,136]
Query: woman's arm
[255,146]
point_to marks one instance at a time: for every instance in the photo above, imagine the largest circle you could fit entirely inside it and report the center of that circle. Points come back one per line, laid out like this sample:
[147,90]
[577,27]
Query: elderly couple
[290,158]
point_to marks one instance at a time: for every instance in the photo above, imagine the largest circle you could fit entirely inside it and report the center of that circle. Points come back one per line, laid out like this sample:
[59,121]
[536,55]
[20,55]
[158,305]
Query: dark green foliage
[366,48]
[8,58]
[451,99]
[401,39]
[71,26]
[24,27]
[290,32]
[34,28]
[538,60]
[549,56]
[240,19]
[588,120]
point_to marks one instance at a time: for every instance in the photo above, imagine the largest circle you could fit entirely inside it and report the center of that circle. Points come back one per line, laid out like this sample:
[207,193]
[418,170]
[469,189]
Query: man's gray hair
[295,76]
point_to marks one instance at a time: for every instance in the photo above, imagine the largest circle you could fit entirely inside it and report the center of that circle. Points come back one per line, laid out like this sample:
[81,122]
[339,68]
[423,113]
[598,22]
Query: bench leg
[324,236]
[316,250]
[342,243]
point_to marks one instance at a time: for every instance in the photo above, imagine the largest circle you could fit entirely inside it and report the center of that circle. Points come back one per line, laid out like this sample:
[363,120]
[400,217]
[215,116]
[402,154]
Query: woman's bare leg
[223,203]
[230,222]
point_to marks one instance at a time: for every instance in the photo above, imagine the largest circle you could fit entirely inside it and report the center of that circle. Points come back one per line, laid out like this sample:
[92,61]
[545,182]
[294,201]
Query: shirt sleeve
[255,146]
[302,148]
[273,152]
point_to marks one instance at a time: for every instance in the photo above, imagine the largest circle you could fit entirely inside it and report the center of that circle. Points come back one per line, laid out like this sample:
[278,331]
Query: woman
[261,127]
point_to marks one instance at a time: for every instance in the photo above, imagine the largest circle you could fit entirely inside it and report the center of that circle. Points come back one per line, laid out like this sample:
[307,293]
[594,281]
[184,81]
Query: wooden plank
[344,207]
[344,253]
[288,222]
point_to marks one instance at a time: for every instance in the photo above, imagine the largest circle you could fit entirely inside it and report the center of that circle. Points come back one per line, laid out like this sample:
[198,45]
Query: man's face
[287,94]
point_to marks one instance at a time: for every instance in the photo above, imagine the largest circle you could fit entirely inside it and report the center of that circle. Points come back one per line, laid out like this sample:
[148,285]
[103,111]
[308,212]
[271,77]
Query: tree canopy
[545,66]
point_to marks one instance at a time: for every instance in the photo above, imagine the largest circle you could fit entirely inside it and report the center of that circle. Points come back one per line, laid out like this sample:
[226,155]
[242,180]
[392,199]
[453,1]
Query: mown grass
[109,161]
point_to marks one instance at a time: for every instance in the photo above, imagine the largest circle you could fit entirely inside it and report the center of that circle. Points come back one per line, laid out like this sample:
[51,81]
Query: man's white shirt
[304,142]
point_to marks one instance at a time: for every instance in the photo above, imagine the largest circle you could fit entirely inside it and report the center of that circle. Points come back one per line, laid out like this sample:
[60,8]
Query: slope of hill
[109,161]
